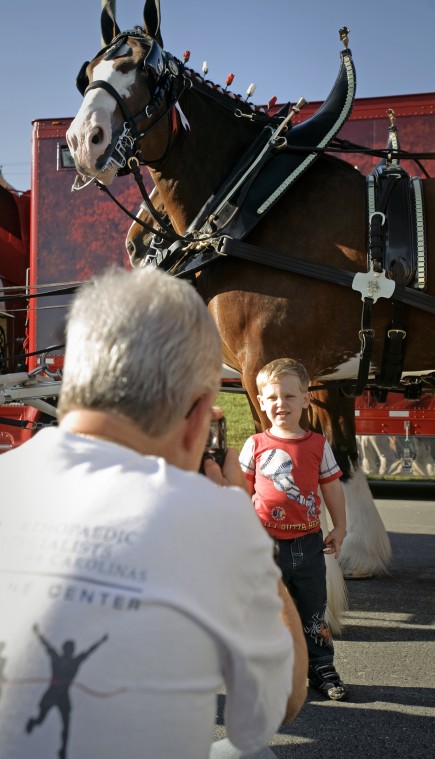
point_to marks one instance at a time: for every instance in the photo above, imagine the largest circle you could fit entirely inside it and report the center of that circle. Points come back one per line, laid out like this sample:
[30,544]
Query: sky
[288,49]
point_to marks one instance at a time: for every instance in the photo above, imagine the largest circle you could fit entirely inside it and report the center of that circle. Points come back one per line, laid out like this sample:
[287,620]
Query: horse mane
[339,163]
[219,93]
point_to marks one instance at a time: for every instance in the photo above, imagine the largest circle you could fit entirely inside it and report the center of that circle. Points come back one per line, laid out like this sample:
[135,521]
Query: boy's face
[283,401]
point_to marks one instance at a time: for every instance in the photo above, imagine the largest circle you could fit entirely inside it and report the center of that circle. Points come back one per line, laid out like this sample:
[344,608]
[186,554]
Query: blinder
[120,50]
[154,60]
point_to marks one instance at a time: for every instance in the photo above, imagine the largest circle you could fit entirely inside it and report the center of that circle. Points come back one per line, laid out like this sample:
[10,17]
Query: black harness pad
[397,244]
[402,245]
[242,201]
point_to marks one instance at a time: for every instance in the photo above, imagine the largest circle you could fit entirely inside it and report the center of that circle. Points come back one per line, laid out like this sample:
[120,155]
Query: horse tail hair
[335,586]
[366,548]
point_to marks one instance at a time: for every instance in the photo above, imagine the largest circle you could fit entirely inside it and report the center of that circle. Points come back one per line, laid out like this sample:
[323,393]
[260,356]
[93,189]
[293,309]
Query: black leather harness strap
[367,339]
[377,220]
[265,257]
[393,354]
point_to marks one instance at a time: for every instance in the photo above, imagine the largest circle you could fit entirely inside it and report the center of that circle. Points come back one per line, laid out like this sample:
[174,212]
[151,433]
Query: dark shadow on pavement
[386,657]
[348,732]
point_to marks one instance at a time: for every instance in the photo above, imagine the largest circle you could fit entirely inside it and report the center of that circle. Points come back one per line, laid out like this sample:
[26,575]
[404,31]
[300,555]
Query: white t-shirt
[130,591]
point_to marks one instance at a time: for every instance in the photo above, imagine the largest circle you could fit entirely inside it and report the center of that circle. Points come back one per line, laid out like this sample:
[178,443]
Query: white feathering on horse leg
[335,585]
[366,548]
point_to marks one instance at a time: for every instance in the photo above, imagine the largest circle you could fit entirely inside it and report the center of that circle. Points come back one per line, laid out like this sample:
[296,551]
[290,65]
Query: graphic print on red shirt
[286,473]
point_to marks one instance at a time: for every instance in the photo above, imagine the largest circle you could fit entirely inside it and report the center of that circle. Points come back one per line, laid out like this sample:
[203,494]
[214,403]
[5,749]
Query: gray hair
[142,344]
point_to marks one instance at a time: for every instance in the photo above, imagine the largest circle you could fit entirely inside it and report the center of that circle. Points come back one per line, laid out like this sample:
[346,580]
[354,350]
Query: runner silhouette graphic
[64,667]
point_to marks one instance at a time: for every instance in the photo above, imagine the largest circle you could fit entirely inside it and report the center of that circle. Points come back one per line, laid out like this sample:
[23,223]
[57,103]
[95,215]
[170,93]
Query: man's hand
[230,474]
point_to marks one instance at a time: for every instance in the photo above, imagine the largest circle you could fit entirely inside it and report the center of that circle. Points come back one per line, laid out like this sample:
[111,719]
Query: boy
[284,467]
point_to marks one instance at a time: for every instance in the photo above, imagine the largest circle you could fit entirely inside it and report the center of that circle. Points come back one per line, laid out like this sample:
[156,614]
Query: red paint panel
[73,234]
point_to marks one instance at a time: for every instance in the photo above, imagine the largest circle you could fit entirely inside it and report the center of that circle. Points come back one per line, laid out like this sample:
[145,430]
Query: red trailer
[72,236]
[14,262]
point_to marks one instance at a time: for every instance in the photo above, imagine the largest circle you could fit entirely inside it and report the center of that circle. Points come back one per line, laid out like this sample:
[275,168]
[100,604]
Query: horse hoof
[357,575]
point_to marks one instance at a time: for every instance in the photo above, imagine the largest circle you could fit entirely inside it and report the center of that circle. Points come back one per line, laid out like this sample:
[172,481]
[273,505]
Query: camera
[216,446]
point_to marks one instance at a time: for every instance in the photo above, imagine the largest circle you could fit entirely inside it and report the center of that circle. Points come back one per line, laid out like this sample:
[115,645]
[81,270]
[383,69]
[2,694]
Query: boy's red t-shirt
[286,474]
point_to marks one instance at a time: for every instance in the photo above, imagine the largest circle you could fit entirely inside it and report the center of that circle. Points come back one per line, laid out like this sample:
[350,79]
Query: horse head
[136,95]
[125,88]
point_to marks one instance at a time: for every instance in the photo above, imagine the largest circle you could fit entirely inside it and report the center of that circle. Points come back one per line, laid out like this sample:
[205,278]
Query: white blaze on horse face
[90,134]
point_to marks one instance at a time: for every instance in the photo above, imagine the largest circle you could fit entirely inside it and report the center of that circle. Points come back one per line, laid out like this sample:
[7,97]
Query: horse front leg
[260,419]
[366,548]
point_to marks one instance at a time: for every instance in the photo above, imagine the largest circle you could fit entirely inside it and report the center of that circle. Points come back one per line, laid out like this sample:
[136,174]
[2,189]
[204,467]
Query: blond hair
[279,367]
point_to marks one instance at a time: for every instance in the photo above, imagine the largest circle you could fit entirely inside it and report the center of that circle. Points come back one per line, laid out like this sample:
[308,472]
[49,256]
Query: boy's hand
[333,541]
[230,474]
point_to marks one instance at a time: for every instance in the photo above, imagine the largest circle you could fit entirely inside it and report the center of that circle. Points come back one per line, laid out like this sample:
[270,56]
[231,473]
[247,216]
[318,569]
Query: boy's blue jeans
[303,568]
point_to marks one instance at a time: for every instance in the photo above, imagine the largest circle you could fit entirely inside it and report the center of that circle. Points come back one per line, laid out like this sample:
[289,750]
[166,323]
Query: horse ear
[82,80]
[151,20]
[109,27]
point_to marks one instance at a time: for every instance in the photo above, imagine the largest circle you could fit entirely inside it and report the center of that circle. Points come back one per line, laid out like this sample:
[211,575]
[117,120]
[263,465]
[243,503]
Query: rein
[166,230]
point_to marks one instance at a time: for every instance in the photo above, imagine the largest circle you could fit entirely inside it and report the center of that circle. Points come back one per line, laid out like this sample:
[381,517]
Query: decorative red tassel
[271,102]
[186,56]
[229,79]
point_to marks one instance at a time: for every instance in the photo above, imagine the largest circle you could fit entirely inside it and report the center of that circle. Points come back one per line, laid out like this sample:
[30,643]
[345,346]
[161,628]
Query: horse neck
[201,157]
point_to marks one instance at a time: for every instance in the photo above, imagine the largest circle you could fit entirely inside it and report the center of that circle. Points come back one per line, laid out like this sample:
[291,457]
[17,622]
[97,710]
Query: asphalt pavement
[386,655]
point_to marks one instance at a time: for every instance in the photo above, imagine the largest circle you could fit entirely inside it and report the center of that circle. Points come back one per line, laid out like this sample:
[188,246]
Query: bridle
[166,79]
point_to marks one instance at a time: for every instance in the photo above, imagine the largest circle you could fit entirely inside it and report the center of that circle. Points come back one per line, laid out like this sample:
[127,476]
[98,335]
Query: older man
[109,533]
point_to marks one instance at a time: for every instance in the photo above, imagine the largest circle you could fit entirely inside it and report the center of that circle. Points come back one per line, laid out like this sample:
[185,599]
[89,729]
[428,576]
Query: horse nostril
[97,136]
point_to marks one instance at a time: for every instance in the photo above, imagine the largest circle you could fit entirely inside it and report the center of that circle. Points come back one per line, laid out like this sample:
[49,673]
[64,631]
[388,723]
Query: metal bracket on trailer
[26,388]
